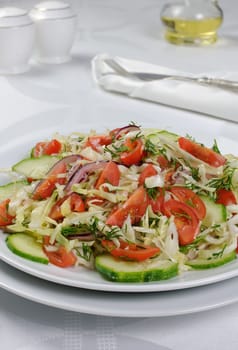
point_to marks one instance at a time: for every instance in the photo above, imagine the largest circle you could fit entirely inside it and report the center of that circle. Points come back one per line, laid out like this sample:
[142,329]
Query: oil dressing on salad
[137,205]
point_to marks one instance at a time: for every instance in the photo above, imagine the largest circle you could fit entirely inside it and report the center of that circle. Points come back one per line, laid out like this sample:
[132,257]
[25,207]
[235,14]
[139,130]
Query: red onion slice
[66,160]
[124,130]
[86,237]
[82,173]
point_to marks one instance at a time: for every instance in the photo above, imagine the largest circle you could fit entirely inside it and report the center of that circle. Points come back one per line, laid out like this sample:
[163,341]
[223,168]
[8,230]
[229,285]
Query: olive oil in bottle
[192,22]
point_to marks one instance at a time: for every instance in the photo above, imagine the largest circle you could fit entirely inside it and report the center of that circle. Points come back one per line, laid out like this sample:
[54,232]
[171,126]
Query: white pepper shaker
[16,40]
[55,25]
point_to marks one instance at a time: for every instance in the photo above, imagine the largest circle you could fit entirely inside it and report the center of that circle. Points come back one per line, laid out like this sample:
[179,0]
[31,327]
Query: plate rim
[85,307]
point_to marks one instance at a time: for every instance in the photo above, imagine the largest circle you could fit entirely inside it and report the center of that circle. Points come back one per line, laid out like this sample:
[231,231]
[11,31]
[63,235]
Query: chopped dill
[215,147]
[113,233]
[152,192]
[85,252]
[225,181]
[116,150]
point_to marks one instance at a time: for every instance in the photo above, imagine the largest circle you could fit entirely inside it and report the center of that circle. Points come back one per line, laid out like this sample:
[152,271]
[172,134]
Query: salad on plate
[137,205]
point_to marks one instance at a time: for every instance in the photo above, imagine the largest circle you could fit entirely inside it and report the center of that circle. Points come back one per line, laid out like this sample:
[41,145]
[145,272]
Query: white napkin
[186,95]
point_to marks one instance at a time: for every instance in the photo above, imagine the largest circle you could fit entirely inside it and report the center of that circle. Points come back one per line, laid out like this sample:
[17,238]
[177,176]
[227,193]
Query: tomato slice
[185,219]
[47,148]
[205,154]
[225,197]
[134,154]
[163,162]
[135,206]
[98,140]
[60,257]
[46,187]
[110,174]
[130,251]
[76,205]
[148,171]
[157,202]
[5,218]
[190,198]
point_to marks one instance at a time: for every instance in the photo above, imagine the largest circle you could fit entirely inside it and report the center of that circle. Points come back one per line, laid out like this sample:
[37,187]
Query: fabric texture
[208,100]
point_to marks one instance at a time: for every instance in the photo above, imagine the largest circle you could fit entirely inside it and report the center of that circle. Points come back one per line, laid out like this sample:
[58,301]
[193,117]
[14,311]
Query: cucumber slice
[27,247]
[6,191]
[211,263]
[169,135]
[35,168]
[129,271]
[156,135]
[215,213]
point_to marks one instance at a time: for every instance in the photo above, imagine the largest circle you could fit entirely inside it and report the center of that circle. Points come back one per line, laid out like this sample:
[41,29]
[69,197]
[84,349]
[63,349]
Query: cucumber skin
[22,254]
[215,213]
[23,167]
[7,190]
[135,276]
[200,264]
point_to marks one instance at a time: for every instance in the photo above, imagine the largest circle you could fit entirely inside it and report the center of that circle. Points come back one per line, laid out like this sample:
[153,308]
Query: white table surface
[131,29]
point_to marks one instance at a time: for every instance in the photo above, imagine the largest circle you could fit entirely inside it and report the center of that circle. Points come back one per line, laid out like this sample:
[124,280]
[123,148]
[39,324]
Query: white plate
[118,304]
[15,144]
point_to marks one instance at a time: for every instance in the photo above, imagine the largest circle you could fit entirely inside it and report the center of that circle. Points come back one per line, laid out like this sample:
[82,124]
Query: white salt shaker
[55,25]
[16,40]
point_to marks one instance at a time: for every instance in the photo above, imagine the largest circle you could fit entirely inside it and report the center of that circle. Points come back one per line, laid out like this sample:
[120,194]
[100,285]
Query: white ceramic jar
[55,25]
[16,40]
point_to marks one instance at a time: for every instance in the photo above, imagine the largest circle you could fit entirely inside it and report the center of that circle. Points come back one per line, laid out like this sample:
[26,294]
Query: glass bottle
[192,21]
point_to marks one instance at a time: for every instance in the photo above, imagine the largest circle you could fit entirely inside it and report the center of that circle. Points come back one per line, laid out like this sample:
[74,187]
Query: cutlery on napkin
[181,93]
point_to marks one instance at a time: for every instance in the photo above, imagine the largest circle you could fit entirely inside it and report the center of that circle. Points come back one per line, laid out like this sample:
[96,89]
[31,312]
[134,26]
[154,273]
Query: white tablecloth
[130,29]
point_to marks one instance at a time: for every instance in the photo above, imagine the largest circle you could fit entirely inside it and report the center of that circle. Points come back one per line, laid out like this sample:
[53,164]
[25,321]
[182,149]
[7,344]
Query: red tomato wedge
[5,218]
[47,148]
[185,219]
[205,154]
[130,251]
[46,187]
[163,162]
[157,202]
[98,140]
[60,257]
[110,174]
[135,206]
[134,154]
[148,171]
[76,205]
[190,198]
[225,197]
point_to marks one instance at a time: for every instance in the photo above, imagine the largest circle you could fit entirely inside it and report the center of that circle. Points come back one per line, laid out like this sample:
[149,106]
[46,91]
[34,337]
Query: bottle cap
[13,17]
[52,10]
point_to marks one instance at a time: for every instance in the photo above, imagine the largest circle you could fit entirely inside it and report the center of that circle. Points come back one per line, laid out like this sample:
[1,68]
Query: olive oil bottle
[192,21]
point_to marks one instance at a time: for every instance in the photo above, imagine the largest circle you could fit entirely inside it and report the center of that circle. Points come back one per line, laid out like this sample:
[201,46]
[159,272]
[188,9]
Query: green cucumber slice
[202,264]
[169,135]
[129,271]
[157,134]
[6,191]
[27,247]
[35,168]
[215,213]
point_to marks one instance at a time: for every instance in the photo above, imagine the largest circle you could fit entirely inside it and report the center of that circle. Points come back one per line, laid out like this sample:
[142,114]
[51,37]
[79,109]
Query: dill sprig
[215,147]
[113,233]
[116,150]
[154,149]
[152,192]
[86,252]
[225,181]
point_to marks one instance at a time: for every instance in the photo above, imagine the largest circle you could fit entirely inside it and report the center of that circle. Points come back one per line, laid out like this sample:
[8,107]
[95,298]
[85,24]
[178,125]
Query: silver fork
[142,76]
